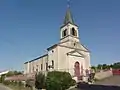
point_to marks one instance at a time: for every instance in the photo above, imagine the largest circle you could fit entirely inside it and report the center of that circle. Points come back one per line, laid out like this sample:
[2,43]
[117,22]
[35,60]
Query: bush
[59,80]
[6,82]
[40,81]
[14,83]
[30,82]
[2,78]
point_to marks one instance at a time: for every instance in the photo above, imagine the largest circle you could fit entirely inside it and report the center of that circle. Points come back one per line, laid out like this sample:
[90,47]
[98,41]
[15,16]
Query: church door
[77,70]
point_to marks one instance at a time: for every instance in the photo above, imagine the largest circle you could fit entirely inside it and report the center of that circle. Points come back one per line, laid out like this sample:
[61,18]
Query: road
[2,87]
[112,83]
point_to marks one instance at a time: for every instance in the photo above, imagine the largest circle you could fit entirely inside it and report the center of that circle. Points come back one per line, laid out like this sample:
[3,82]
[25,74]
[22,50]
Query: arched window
[73,32]
[33,68]
[52,63]
[64,33]
[36,70]
[41,66]
[46,66]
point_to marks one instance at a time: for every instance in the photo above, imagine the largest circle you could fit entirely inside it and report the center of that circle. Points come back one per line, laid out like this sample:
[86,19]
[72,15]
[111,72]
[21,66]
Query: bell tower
[69,30]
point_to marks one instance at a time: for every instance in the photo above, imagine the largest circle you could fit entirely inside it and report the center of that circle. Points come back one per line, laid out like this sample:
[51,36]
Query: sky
[28,27]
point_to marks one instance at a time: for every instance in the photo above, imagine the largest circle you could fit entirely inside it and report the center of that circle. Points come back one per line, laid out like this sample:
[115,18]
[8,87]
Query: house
[3,72]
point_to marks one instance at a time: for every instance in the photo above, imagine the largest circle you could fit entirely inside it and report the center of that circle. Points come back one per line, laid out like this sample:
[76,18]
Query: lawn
[16,87]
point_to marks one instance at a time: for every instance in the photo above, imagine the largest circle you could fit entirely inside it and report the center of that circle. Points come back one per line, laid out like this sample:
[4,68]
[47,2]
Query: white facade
[3,72]
[63,55]
[38,64]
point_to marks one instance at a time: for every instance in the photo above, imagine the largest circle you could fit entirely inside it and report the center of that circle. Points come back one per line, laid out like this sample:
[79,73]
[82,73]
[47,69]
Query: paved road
[4,88]
[112,83]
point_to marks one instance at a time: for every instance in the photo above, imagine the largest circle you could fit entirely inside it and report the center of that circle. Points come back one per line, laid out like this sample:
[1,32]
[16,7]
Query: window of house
[52,63]
[33,68]
[52,51]
[64,33]
[46,66]
[41,66]
[36,70]
[73,32]
[74,44]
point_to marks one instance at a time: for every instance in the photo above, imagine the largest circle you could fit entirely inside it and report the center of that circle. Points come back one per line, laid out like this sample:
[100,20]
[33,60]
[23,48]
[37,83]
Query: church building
[67,55]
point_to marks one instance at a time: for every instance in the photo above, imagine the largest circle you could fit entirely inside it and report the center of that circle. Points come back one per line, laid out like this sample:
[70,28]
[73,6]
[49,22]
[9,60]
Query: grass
[16,87]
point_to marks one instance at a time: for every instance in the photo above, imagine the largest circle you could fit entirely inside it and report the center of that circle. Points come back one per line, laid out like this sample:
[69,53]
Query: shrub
[2,78]
[14,83]
[30,82]
[6,82]
[39,81]
[59,80]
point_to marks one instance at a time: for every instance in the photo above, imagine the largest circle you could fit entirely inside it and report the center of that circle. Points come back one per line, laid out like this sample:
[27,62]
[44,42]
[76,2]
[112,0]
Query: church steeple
[69,30]
[68,17]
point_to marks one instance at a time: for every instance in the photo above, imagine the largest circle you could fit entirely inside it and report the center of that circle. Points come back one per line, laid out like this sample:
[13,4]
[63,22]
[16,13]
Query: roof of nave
[36,58]
[59,44]
[55,45]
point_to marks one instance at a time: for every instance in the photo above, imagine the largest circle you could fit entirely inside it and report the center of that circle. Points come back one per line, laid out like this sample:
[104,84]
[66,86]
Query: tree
[99,66]
[2,78]
[39,81]
[104,66]
[116,65]
[56,80]
[93,67]
[11,73]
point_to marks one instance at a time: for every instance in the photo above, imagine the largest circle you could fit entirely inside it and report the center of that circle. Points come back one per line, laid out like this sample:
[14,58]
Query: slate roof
[68,17]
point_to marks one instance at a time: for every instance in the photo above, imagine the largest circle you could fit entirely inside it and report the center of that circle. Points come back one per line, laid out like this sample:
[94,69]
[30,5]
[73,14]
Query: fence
[116,71]
[16,78]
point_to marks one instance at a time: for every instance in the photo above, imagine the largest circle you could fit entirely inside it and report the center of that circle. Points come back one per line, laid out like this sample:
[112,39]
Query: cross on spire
[68,16]
[68,3]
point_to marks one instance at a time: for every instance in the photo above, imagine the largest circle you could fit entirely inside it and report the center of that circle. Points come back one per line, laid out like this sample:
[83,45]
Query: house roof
[36,58]
[51,47]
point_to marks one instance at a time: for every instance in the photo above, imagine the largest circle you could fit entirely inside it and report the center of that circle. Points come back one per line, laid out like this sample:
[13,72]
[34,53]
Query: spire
[68,16]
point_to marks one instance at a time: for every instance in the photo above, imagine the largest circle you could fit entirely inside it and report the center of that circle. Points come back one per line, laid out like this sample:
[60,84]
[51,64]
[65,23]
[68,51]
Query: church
[67,55]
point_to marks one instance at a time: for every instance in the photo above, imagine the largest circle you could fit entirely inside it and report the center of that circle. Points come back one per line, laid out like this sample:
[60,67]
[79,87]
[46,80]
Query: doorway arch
[77,69]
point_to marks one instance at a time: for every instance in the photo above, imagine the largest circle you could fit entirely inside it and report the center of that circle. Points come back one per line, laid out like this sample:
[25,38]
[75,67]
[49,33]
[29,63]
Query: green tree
[11,73]
[2,78]
[39,81]
[111,66]
[93,67]
[104,66]
[56,80]
[116,65]
[17,73]
[99,66]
